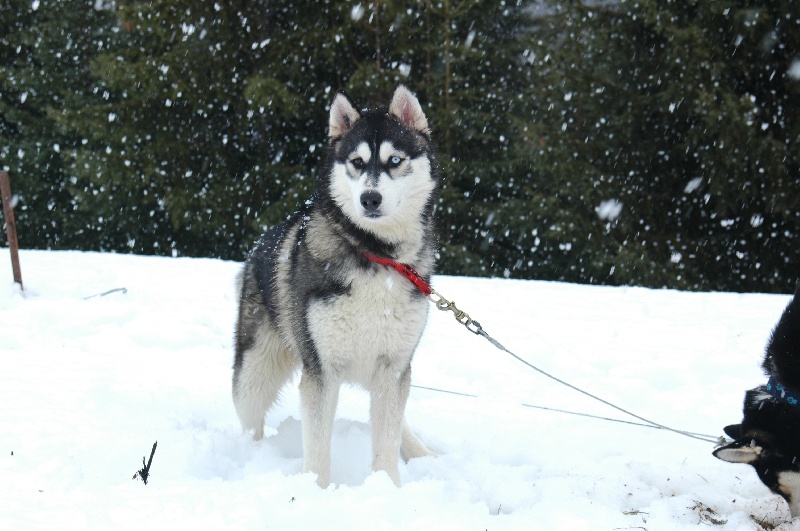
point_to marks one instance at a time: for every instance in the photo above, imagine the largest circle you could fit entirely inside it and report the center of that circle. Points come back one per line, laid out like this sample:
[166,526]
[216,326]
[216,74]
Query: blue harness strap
[787,394]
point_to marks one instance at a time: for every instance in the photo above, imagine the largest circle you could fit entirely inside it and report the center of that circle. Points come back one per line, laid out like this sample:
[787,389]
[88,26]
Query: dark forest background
[646,142]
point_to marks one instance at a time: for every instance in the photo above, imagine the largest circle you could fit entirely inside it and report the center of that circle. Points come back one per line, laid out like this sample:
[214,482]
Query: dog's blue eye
[357,163]
[395,161]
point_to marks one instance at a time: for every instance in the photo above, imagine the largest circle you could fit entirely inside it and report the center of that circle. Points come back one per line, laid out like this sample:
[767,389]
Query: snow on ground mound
[87,386]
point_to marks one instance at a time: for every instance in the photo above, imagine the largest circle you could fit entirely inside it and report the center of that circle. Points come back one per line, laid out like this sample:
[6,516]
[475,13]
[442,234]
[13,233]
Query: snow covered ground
[88,385]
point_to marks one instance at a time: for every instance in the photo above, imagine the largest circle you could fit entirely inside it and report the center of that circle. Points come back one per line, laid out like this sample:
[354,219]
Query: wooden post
[11,226]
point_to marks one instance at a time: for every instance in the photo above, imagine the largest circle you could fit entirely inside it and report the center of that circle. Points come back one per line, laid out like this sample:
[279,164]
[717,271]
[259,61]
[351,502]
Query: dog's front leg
[318,396]
[388,398]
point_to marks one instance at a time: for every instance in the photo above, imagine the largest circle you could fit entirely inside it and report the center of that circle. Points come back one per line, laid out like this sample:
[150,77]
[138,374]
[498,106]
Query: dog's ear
[740,451]
[406,108]
[734,431]
[343,116]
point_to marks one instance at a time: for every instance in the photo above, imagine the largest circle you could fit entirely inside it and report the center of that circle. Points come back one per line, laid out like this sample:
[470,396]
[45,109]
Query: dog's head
[768,439]
[381,166]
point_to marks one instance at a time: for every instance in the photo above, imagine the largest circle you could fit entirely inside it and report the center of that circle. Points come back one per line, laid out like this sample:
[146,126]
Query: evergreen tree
[45,52]
[684,114]
[631,142]
[177,152]
[481,93]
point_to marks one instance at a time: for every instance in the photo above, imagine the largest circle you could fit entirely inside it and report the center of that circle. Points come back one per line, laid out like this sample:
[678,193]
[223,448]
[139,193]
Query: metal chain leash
[461,316]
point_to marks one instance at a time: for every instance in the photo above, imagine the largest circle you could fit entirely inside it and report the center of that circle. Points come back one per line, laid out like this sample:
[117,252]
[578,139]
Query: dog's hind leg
[411,446]
[259,374]
[318,397]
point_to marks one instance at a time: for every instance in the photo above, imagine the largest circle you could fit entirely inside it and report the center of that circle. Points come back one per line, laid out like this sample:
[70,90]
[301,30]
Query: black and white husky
[311,300]
[769,436]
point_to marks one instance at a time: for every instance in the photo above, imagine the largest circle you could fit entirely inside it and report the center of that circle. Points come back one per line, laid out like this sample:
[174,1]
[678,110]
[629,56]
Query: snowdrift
[88,384]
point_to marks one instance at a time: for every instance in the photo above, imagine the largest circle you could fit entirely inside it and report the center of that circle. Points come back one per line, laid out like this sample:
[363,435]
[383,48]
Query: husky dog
[310,299]
[769,436]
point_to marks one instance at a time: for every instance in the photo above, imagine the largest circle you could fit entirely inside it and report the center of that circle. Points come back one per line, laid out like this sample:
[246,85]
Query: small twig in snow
[762,523]
[144,473]
[706,514]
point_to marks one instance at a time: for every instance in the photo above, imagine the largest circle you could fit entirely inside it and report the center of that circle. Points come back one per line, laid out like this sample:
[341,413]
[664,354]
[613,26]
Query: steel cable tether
[475,327]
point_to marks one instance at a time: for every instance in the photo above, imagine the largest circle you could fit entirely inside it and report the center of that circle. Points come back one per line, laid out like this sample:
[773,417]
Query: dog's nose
[371,200]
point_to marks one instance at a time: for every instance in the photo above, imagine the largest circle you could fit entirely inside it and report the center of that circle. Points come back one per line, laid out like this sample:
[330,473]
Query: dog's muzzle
[371,202]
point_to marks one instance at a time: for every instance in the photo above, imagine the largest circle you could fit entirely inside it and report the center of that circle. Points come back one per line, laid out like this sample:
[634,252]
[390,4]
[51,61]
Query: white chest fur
[375,326]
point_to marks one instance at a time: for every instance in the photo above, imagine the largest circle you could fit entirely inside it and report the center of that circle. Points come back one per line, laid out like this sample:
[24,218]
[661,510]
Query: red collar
[405,270]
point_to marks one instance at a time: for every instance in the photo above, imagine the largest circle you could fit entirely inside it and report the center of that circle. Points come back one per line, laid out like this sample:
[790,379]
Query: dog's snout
[371,200]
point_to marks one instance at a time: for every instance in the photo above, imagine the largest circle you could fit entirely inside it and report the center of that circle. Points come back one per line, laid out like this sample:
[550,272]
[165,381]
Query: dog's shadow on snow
[351,449]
